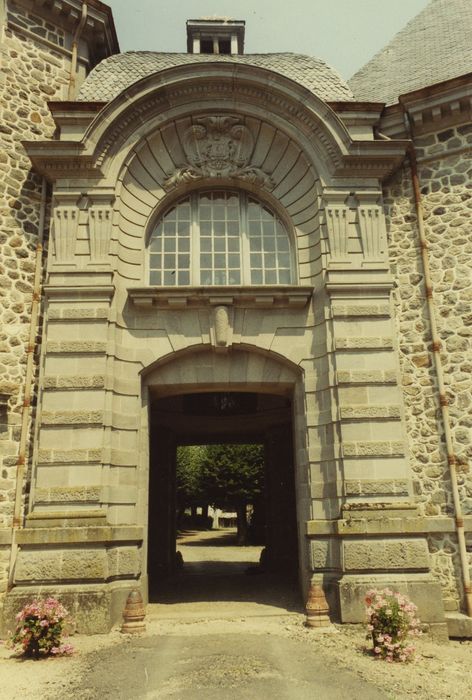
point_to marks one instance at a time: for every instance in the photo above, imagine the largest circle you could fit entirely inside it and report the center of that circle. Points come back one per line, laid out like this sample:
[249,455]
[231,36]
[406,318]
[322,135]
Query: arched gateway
[216,228]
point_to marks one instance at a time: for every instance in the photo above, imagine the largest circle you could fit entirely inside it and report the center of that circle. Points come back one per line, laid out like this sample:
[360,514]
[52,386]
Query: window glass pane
[183,211]
[284,277]
[155,261]
[234,277]
[226,223]
[220,277]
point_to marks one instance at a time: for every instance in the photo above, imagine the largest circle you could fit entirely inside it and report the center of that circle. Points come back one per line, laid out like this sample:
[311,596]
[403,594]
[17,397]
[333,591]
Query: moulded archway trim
[148,103]
[264,370]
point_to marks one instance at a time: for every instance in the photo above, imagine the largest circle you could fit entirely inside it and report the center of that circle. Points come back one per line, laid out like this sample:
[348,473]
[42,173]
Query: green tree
[232,477]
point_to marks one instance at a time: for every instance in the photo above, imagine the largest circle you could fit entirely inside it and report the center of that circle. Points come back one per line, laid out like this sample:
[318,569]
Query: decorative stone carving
[66,220]
[99,223]
[371,225]
[337,223]
[218,146]
[222,327]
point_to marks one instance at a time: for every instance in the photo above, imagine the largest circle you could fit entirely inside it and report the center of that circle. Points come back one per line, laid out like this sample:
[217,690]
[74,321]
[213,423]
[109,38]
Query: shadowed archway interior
[222,418]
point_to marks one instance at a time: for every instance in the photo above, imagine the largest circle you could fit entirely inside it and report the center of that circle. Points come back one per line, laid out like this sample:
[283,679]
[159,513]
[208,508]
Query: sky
[344,33]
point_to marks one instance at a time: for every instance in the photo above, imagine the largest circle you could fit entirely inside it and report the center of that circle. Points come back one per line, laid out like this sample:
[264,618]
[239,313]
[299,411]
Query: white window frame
[245,266]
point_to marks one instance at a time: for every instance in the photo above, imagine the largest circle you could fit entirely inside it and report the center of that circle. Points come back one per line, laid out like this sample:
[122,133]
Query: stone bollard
[317,609]
[133,614]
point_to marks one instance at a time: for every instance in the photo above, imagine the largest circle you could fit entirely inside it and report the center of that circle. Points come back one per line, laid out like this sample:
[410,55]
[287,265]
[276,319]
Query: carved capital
[337,224]
[65,223]
[100,217]
[372,226]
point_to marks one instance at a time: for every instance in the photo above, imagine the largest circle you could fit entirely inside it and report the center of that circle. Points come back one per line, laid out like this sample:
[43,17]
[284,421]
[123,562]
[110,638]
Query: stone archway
[178,414]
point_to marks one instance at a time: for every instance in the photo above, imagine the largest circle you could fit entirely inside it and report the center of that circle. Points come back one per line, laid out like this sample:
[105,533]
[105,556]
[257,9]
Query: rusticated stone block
[325,554]
[76,346]
[71,417]
[69,456]
[362,342]
[373,448]
[75,382]
[361,310]
[123,561]
[389,555]
[61,564]
[68,494]
[389,487]
[353,412]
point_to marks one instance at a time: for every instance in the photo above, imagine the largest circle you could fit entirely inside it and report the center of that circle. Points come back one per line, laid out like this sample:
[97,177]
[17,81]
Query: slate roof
[116,73]
[436,45]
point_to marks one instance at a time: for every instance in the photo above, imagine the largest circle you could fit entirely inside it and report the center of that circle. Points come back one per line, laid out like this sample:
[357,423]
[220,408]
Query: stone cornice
[99,30]
[430,109]
[245,297]
[177,90]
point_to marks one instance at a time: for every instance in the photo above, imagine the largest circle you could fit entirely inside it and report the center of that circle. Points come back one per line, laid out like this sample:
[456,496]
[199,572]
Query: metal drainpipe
[75,50]
[436,349]
[25,415]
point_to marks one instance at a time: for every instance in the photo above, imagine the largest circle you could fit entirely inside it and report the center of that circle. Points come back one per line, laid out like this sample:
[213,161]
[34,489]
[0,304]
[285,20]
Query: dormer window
[215,36]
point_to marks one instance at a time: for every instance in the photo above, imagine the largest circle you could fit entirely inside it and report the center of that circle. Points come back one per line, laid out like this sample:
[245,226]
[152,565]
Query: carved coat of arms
[218,146]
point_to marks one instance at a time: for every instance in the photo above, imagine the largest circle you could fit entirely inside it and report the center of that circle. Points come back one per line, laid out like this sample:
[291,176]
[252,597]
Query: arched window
[220,237]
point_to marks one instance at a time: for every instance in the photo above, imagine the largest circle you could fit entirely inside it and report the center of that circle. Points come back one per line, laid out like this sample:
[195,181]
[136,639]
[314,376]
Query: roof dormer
[215,36]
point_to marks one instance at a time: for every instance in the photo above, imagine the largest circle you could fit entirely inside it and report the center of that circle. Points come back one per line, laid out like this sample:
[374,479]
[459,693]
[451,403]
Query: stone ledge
[75,535]
[383,525]
[65,519]
[264,297]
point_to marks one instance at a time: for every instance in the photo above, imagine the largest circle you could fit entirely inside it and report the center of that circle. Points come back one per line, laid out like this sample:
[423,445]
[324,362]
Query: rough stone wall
[31,73]
[446,180]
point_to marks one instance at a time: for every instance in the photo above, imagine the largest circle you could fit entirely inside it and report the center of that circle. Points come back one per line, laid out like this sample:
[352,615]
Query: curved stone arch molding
[148,99]
[276,370]
[146,104]
[141,195]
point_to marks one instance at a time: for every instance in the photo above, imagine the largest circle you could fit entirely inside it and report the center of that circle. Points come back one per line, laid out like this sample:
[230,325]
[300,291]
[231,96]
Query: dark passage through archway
[183,564]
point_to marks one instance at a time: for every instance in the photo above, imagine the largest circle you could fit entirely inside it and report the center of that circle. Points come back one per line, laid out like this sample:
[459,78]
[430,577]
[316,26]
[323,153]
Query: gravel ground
[241,647]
